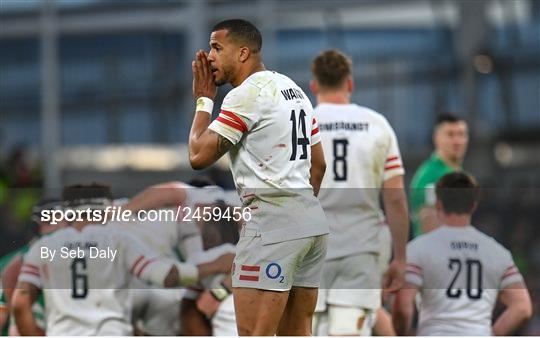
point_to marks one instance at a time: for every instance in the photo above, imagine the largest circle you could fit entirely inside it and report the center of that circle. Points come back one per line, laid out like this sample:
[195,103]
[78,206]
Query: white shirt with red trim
[86,295]
[459,272]
[361,152]
[270,121]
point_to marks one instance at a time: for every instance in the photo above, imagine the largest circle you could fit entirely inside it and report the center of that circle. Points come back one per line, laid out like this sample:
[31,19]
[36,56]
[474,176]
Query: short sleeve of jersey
[137,257]
[413,272]
[315,134]
[30,270]
[393,166]
[239,112]
[510,273]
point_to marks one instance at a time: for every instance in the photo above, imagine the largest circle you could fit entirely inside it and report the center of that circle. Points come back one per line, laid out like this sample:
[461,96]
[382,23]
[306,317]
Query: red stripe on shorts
[249,278]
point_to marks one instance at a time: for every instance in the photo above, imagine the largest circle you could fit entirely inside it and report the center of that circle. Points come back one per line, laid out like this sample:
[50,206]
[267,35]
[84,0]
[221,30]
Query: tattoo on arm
[223,144]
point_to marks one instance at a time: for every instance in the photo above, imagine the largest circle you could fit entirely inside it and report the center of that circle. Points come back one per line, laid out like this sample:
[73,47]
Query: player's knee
[347,321]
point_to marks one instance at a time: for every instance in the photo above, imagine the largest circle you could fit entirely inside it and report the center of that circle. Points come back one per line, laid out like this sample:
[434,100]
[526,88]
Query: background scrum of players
[198,309]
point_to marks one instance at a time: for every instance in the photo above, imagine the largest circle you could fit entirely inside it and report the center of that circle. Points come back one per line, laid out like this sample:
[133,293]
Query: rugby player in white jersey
[85,294]
[156,311]
[459,273]
[364,162]
[266,125]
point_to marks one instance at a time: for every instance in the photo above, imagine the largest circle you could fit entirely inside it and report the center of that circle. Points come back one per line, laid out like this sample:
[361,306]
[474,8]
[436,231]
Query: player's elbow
[524,310]
[198,162]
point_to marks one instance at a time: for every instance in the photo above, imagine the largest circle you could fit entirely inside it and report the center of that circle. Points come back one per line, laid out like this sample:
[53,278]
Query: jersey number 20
[474,287]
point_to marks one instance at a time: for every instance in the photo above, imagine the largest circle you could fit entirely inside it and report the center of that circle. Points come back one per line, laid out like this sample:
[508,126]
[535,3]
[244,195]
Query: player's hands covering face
[203,80]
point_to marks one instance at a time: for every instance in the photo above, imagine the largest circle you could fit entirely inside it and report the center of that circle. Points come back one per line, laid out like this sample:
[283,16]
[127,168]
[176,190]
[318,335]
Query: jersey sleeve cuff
[226,131]
[414,278]
[31,278]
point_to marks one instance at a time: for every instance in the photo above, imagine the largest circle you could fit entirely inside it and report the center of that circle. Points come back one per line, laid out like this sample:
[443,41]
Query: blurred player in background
[451,138]
[459,273]
[90,296]
[208,309]
[13,264]
[266,125]
[156,311]
[362,151]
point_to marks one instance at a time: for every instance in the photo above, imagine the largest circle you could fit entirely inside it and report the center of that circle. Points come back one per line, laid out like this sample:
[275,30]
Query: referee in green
[451,138]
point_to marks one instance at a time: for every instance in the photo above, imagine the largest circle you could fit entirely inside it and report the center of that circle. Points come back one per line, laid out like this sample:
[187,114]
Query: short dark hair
[242,31]
[458,193]
[94,195]
[447,118]
[330,68]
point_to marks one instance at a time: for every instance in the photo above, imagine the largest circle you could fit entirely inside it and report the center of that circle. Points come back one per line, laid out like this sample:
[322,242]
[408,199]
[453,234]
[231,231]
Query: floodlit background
[96,90]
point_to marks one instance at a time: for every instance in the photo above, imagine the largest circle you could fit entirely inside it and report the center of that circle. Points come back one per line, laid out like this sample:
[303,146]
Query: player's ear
[475,205]
[350,84]
[438,206]
[314,87]
[243,54]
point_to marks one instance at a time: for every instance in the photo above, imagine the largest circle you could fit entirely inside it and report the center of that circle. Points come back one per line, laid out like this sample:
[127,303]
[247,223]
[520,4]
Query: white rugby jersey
[361,152]
[87,296]
[269,119]
[459,272]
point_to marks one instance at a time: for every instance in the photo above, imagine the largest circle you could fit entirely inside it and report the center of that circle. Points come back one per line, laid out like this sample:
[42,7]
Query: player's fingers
[204,64]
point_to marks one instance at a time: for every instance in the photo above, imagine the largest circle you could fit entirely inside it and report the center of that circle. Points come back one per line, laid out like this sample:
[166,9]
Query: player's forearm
[511,319]
[402,318]
[199,141]
[157,196]
[318,167]
[316,177]
[402,323]
[24,319]
[397,216]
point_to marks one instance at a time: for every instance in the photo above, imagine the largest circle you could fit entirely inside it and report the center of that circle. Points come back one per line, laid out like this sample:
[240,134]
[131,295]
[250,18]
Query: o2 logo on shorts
[273,271]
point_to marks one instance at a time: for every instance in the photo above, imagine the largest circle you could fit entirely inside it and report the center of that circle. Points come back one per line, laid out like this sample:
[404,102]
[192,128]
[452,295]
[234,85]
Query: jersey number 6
[79,279]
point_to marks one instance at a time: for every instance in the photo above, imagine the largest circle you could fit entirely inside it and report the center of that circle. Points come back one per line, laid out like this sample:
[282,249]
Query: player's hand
[394,278]
[207,304]
[203,80]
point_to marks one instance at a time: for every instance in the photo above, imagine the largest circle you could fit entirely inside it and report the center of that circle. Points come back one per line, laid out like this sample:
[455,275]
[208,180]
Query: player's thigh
[298,314]
[258,312]
[358,283]
[330,270]
[355,295]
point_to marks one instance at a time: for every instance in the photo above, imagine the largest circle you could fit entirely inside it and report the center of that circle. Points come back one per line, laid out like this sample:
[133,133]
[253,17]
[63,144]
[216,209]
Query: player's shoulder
[426,241]
[428,172]
[493,246]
